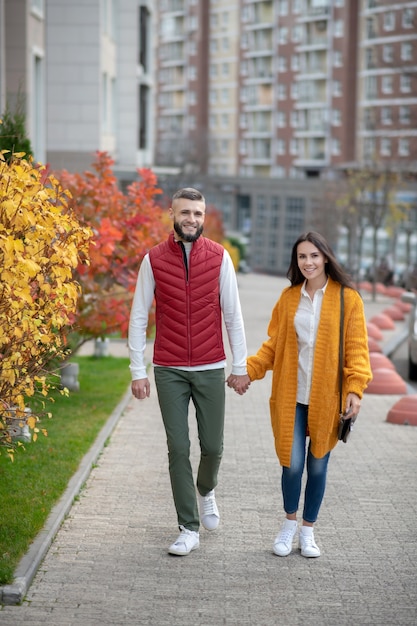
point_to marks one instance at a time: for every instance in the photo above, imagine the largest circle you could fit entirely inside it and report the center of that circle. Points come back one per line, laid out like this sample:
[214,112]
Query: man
[194,283]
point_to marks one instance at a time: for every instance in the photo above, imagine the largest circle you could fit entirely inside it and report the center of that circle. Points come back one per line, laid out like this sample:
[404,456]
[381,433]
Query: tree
[13,137]
[125,226]
[42,243]
[369,202]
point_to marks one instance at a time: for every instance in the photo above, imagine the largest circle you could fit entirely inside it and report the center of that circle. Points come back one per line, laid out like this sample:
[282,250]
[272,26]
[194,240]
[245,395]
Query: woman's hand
[353,405]
[239,383]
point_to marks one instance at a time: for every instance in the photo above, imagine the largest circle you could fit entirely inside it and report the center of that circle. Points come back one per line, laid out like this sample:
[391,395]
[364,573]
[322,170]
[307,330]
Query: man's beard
[184,236]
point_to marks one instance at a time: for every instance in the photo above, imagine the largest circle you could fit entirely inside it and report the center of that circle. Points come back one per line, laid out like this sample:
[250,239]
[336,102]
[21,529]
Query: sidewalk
[109,566]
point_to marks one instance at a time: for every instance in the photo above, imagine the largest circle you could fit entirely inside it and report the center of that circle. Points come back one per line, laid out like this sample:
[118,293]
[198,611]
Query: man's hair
[189,193]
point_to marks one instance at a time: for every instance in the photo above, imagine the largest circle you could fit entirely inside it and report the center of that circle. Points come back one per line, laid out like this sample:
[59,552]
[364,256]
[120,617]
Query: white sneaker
[187,541]
[308,546]
[283,541]
[209,513]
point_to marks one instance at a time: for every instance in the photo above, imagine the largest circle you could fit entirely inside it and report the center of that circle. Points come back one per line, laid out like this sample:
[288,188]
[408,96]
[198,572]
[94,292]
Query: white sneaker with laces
[308,546]
[209,513]
[283,541]
[187,541]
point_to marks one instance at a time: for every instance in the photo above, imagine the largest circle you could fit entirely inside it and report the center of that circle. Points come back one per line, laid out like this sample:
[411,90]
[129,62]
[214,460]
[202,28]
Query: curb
[30,563]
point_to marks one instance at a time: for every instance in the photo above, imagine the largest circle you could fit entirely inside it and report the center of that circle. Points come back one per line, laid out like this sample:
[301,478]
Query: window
[225,96]
[338,28]
[336,88]
[294,119]
[403,147]
[294,216]
[281,146]
[283,7]
[297,34]
[213,45]
[282,35]
[225,120]
[336,117]
[337,58]
[405,115]
[369,58]
[408,18]
[335,147]
[386,84]
[369,148]
[406,51]
[405,83]
[282,92]
[225,69]
[294,90]
[281,119]
[294,147]
[282,64]
[387,53]
[386,115]
[296,6]
[295,62]
[389,20]
[213,70]
[385,147]
[37,6]
[370,86]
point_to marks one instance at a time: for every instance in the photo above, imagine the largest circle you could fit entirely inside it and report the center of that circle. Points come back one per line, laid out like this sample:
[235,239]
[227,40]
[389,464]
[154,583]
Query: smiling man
[194,285]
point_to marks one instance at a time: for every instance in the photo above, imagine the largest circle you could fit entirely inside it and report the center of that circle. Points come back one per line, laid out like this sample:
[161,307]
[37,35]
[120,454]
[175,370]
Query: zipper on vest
[184,256]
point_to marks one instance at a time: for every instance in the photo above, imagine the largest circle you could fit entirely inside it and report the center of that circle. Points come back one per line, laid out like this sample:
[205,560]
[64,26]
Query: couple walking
[193,282]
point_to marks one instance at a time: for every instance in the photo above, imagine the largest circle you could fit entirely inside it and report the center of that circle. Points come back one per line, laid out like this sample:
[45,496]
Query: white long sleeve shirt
[230,306]
[306,323]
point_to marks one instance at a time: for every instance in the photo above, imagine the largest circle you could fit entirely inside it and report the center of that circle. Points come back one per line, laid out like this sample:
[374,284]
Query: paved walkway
[108,565]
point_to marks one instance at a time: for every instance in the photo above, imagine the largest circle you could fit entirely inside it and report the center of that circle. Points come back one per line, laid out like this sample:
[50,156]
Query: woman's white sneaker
[187,541]
[283,541]
[308,546]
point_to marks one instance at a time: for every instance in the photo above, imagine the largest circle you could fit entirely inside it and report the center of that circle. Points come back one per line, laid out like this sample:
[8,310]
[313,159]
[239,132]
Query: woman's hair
[333,267]
[189,193]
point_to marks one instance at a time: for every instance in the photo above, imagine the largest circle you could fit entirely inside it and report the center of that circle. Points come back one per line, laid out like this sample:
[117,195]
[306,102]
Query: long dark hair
[333,267]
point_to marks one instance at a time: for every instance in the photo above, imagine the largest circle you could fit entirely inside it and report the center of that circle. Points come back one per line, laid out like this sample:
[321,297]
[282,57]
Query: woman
[303,353]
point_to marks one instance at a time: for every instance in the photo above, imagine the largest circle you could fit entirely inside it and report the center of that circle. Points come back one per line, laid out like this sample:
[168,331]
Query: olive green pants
[207,391]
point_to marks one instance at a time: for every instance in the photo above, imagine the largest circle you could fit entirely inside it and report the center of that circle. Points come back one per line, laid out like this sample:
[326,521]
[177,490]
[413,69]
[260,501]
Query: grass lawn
[32,484]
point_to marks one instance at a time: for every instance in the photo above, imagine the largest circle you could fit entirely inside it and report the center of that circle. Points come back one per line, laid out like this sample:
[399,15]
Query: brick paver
[109,564]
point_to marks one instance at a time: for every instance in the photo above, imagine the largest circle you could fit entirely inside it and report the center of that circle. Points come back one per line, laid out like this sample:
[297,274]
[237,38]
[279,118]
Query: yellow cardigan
[280,354]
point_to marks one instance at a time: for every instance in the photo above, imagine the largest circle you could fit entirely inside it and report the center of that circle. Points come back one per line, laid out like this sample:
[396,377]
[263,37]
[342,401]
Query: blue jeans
[292,476]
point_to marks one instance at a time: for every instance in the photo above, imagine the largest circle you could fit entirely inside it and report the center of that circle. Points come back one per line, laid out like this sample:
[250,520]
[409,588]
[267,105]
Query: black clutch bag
[345,426]
[345,422]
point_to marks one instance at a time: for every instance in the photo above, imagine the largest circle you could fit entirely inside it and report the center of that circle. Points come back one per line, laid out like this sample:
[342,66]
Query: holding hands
[239,383]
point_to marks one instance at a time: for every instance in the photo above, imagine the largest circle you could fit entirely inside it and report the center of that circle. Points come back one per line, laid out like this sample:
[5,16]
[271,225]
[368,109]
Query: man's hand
[141,388]
[239,383]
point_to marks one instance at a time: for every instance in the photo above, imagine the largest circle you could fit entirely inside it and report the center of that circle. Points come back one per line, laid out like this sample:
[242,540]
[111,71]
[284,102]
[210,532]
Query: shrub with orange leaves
[41,244]
[125,226]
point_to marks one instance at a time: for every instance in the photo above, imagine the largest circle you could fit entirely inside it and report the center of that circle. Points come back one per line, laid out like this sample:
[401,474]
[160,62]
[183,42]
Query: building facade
[285,89]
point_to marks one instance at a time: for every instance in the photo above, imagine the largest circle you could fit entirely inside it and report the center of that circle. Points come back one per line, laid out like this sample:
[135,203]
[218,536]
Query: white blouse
[306,323]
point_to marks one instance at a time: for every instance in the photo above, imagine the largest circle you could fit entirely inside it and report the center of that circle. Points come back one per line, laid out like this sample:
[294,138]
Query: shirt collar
[323,289]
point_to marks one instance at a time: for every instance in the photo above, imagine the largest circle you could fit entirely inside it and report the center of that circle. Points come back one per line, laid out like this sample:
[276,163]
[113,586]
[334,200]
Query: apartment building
[22,66]
[387,95]
[85,73]
[99,82]
[293,88]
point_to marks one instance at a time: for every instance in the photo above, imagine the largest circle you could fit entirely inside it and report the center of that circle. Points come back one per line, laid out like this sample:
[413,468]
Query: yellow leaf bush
[41,244]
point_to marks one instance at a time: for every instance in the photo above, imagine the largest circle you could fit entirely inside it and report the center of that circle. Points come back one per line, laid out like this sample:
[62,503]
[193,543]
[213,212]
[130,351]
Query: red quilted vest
[188,313]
